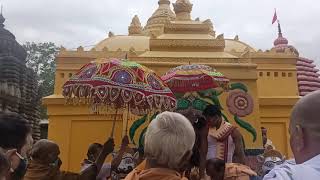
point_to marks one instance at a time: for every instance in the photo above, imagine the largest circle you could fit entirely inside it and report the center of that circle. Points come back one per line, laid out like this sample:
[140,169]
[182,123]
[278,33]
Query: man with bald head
[304,140]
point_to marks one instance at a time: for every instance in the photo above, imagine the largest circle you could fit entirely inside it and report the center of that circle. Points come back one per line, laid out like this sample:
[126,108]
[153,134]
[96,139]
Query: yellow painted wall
[278,92]
[74,127]
[275,116]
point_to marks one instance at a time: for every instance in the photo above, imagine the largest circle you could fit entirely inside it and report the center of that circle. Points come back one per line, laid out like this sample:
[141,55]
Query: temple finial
[280,40]
[2,19]
[135,27]
[183,9]
[279,29]
[163,2]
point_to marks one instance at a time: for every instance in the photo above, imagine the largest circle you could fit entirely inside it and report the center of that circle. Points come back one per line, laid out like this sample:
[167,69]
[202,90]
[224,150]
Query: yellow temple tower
[169,39]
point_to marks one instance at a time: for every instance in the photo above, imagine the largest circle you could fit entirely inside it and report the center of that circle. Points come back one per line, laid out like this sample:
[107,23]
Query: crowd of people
[176,147]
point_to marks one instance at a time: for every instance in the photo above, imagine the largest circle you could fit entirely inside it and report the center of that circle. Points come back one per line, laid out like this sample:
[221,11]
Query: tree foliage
[41,59]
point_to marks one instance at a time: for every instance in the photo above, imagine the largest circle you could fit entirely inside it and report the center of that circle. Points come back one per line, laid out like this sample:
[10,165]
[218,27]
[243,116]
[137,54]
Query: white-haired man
[304,139]
[168,147]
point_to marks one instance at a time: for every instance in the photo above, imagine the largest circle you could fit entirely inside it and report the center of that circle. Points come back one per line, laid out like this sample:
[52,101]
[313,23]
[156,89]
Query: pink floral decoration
[240,103]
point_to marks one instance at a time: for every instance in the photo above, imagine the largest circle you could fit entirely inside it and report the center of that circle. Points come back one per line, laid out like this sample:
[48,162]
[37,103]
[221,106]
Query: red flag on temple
[275,17]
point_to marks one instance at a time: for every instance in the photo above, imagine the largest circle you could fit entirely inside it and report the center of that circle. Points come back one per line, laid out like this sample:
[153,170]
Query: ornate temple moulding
[276,69]
[187,44]
[186,28]
[278,100]
[275,60]
[94,54]
[185,60]
[273,55]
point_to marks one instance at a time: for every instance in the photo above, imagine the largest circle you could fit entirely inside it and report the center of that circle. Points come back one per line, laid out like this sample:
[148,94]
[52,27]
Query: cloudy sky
[72,23]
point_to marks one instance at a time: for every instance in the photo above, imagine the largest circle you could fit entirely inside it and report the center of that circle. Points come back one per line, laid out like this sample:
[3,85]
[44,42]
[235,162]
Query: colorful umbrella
[119,84]
[194,77]
[196,86]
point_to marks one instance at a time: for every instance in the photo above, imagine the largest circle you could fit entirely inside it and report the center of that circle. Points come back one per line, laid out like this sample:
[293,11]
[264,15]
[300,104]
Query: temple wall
[270,81]
[278,92]
[275,116]
[245,73]
[74,128]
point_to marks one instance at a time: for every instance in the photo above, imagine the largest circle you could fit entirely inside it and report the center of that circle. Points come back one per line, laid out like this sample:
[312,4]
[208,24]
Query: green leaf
[141,139]
[225,117]
[153,116]
[216,101]
[135,126]
[183,104]
[143,132]
[40,58]
[240,86]
[247,126]
[199,104]
[207,92]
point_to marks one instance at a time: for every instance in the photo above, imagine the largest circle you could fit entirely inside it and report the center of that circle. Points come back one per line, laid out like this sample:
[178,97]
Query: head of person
[4,166]
[197,120]
[15,133]
[213,115]
[270,159]
[15,140]
[304,128]
[46,153]
[169,141]
[93,151]
[264,132]
[215,168]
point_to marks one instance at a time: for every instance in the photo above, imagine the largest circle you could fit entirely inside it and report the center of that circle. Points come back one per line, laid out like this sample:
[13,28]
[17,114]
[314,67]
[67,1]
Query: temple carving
[275,78]
[18,84]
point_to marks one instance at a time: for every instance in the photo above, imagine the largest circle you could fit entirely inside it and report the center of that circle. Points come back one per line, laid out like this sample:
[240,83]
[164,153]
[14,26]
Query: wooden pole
[114,124]
[127,119]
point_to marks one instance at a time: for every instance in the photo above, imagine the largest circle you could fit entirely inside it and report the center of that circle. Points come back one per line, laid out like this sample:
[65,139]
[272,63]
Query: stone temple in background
[275,78]
[18,85]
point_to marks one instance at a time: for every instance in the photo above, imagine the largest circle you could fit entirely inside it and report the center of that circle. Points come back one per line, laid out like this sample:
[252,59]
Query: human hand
[13,158]
[125,141]
[89,173]
[109,145]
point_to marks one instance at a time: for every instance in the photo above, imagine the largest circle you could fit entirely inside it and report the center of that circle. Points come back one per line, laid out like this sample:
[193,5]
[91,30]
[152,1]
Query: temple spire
[163,2]
[2,19]
[183,9]
[161,16]
[135,27]
[279,29]
[280,40]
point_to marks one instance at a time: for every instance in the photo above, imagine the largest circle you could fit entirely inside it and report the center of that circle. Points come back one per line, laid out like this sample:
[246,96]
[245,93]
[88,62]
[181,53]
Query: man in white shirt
[304,140]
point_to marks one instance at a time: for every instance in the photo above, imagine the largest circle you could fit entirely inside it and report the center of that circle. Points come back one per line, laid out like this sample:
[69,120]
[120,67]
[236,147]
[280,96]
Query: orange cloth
[155,174]
[236,171]
[37,171]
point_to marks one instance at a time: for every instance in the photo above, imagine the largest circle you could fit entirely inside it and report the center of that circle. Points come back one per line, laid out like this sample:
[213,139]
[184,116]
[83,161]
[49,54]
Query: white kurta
[309,170]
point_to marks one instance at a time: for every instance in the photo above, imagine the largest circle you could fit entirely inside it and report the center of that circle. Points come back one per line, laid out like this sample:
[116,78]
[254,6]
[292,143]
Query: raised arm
[118,158]
[203,150]
[91,172]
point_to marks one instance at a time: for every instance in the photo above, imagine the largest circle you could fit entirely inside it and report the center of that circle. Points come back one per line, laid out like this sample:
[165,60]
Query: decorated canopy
[194,77]
[196,86]
[119,84]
